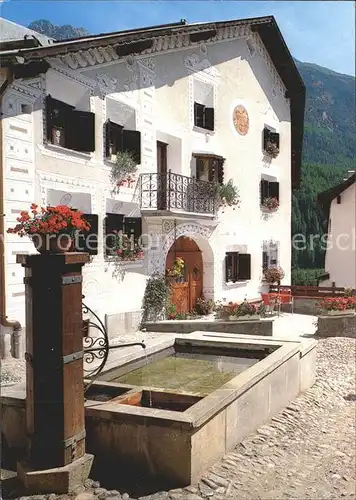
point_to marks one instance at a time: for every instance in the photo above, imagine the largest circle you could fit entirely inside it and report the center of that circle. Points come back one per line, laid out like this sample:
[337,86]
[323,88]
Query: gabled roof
[326,197]
[10,31]
[137,40]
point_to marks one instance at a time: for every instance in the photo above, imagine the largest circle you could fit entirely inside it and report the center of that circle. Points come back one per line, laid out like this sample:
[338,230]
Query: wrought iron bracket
[70,280]
[72,357]
[97,348]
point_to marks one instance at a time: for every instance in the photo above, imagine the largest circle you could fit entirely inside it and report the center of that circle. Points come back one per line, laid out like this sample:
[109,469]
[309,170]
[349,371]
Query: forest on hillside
[329,146]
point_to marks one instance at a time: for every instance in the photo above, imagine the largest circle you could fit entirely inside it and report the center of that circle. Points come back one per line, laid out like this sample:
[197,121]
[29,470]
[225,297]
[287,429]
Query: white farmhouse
[339,206]
[195,104]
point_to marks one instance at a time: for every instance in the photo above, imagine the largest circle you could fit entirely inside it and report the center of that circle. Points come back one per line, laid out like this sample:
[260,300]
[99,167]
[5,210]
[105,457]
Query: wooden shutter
[131,142]
[244,267]
[273,190]
[221,162]
[264,191]
[199,114]
[49,117]
[266,134]
[57,113]
[209,118]
[133,225]
[228,267]
[113,138]
[108,139]
[231,266]
[265,260]
[274,137]
[81,131]
[113,222]
[88,240]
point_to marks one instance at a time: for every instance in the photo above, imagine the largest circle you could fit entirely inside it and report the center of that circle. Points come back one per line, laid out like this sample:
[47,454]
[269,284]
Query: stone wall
[337,326]
[239,327]
[304,305]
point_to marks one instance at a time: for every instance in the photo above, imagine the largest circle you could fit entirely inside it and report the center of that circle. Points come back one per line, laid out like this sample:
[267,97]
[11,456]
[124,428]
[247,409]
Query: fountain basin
[175,431]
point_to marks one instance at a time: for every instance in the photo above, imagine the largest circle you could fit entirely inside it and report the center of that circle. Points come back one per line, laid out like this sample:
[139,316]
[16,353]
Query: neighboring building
[194,104]
[339,206]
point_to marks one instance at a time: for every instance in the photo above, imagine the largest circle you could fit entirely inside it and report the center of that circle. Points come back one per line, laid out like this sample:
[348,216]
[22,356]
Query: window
[131,226]
[68,127]
[203,116]
[210,168]
[270,138]
[120,139]
[203,104]
[268,189]
[87,241]
[26,109]
[237,267]
[270,254]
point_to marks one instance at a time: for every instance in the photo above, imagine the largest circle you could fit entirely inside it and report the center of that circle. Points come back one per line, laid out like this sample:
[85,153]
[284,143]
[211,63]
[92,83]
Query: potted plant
[272,149]
[51,229]
[335,306]
[227,195]
[176,272]
[123,170]
[273,275]
[204,307]
[270,203]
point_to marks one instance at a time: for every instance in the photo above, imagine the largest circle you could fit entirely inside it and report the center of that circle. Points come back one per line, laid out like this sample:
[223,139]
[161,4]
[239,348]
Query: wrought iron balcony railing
[175,192]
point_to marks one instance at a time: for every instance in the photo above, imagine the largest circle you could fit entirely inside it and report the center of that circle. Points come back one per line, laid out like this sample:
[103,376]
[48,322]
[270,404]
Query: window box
[69,128]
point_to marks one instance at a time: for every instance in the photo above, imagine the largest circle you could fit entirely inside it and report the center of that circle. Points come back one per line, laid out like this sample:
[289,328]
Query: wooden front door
[162,175]
[186,291]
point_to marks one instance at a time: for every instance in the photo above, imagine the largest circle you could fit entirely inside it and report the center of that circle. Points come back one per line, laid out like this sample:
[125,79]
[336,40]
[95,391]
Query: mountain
[330,116]
[329,151]
[329,148]
[57,32]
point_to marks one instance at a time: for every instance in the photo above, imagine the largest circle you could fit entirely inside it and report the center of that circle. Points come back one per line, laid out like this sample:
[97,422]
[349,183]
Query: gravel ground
[12,371]
[305,452]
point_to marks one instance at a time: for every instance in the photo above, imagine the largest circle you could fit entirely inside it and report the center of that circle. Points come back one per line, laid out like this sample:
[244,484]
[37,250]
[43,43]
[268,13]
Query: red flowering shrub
[233,309]
[338,303]
[270,203]
[51,220]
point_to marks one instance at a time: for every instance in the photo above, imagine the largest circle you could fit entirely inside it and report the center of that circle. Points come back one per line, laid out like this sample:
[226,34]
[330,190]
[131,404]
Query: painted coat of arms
[241,121]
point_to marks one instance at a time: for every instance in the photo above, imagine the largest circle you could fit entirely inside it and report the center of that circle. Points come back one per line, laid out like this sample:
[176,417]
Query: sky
[320,32]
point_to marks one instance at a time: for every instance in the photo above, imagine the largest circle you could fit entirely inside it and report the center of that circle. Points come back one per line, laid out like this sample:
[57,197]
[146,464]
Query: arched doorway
[189,288]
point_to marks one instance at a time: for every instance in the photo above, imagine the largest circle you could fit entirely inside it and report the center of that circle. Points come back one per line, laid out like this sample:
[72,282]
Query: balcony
[177,193]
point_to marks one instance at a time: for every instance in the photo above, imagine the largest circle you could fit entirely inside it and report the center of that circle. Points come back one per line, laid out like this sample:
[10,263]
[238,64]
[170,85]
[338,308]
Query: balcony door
[161,175]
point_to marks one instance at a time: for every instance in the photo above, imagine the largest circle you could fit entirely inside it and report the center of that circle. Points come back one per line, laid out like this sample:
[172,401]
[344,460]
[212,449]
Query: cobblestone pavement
[305,452]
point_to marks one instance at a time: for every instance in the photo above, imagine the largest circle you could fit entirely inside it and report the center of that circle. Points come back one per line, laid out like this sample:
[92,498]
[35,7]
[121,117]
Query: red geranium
[51,220]
[338,303]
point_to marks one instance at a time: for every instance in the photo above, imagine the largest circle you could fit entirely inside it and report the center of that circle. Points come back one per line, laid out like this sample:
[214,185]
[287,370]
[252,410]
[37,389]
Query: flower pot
[345,312]
[52,243]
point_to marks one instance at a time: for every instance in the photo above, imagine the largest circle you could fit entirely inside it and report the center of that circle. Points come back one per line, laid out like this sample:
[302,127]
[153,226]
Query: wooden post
[54,373]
